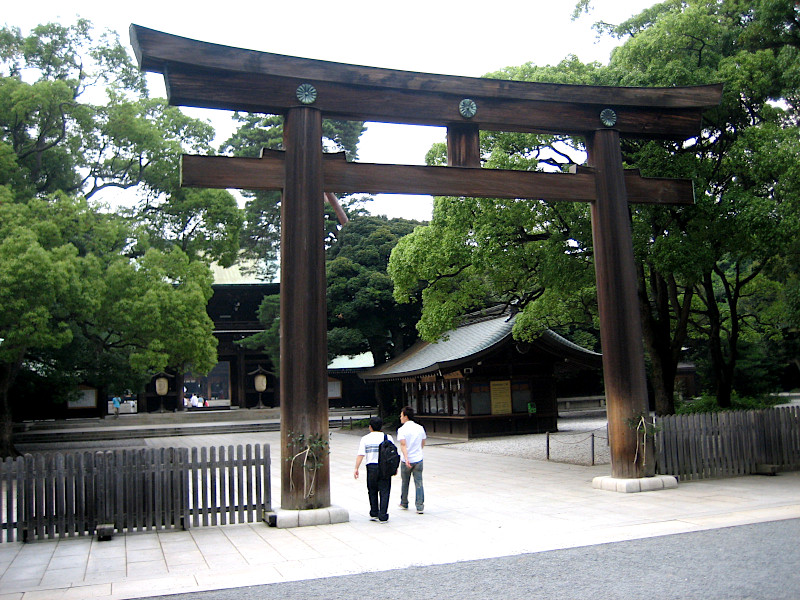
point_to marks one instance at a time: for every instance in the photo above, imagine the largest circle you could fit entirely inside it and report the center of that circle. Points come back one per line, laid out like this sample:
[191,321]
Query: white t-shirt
[368,446]
[413,434]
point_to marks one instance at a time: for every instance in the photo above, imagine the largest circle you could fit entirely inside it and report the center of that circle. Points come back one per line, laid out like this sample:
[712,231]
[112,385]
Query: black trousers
[378,489]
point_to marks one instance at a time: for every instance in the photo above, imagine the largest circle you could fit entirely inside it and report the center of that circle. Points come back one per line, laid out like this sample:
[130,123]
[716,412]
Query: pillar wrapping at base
[285,519]
[630,486]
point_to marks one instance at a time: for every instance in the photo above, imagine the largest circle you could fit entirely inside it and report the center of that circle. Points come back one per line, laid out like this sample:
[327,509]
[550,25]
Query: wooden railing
[728,444]
[50,495]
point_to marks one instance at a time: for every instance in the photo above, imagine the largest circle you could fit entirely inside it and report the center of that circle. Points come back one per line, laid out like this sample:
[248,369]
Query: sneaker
[419,511]
[373,518]
[384,522]
[403,507]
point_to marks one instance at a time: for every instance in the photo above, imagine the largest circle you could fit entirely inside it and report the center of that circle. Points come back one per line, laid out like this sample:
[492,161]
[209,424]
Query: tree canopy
[261,233]
[362,313]
[712,275]
[89,294]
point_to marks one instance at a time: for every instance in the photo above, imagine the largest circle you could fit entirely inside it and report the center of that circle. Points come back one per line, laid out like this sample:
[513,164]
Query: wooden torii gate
[304,91]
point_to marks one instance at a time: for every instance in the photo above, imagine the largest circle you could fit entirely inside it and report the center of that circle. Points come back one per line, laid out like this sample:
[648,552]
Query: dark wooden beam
[618,306]
[303,327]
[212,76]
[464,145]
[156,50]
[349,177]
[271,94]
[225,172]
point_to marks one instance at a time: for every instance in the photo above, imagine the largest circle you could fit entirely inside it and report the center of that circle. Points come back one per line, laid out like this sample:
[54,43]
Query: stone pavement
[477,506]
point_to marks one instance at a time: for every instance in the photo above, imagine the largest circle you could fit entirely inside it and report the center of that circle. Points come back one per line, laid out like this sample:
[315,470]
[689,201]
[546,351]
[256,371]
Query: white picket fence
[55,495]
[728,444]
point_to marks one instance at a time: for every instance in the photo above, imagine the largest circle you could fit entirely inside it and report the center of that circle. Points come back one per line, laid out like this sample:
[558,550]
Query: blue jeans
[405,477]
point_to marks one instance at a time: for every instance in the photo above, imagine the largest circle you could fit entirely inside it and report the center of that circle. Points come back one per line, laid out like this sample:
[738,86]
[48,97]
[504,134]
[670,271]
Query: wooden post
[620,325]
[303,329]
[463,145]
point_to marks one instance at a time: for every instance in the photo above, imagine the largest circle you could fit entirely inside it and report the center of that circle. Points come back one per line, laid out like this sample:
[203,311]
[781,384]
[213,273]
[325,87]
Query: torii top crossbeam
[304,91]
[208,75]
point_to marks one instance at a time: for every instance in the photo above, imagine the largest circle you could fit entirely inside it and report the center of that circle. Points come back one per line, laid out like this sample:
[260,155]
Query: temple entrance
[304,91]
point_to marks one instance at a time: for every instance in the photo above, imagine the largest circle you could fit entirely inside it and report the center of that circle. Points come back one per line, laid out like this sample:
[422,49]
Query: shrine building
[478,381]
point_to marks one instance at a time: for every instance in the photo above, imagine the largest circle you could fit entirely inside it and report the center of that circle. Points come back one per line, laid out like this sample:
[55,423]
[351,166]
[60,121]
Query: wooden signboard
[500,393]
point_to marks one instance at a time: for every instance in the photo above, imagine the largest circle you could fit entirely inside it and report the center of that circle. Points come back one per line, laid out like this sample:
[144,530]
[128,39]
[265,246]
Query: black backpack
[388,458]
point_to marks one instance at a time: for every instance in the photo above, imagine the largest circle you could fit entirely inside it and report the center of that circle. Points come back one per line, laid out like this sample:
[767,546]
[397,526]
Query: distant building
[234,309]
[345,387]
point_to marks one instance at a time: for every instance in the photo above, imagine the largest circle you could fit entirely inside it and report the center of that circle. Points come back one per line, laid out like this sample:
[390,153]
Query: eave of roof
[471,342]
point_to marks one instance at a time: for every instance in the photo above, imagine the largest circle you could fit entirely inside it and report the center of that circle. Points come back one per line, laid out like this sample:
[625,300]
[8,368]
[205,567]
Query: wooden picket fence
[56,495]
[728,444]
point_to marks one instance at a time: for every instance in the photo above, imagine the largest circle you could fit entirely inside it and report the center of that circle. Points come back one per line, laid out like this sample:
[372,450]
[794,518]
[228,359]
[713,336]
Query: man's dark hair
[408,412]
[376,423]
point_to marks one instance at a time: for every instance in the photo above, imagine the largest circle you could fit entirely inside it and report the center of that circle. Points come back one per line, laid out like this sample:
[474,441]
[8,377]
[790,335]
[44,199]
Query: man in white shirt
[412,437]
[378,488]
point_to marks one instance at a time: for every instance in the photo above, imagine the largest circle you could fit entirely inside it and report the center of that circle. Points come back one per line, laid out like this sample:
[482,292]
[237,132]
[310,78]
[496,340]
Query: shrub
[708,403]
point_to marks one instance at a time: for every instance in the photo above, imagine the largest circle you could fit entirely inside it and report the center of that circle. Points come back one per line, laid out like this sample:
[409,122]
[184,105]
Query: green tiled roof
[469,341]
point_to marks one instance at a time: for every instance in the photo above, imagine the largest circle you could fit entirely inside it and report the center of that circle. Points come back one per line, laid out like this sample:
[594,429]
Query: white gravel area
[571,444]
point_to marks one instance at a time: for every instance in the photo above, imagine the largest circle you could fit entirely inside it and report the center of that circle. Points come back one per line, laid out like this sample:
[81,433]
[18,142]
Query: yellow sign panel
[500,392]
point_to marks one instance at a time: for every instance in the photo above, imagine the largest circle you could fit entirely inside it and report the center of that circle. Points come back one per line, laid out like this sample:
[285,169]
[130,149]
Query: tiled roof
[468,342]
[359,361]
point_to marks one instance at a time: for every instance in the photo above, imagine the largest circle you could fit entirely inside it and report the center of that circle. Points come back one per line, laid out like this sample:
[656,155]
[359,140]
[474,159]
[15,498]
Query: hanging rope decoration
[641,426]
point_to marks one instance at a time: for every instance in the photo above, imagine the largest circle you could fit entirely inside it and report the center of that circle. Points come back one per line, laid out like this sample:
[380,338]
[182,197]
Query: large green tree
[724,251]
[362,313]
[706,272]
[75,117]
[82,287]
[65,278]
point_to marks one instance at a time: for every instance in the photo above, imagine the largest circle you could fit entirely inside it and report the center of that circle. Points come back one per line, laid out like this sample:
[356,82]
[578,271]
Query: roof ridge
[486,314]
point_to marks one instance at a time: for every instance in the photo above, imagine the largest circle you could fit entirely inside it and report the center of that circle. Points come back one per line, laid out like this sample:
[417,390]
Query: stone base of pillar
[285,519]
[629,486]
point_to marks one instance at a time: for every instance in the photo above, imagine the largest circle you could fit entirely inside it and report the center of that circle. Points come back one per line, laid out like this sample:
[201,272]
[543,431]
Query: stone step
[125,432]
[581,403]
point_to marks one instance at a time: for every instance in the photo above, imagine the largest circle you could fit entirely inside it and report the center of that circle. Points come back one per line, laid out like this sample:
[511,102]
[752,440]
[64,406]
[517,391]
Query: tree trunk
[384,396]
[719,366]
[662,380]
[656,334]
[663,341]
[8,373]
[102,399]
[6,422]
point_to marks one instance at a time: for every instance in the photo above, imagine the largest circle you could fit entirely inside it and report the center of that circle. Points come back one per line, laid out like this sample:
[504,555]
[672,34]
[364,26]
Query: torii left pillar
[303,328]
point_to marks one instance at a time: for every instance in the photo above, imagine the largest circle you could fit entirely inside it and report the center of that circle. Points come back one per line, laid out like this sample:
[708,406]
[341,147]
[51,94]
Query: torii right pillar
[620,322]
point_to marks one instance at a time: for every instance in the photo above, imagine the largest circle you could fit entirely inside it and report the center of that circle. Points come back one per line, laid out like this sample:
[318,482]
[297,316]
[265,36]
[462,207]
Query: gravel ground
[571,444]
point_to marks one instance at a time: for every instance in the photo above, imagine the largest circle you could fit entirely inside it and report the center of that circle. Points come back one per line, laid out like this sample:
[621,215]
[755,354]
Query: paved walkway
[477,506]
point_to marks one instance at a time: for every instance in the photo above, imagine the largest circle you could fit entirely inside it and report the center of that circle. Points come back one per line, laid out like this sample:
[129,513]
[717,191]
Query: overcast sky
[435,36]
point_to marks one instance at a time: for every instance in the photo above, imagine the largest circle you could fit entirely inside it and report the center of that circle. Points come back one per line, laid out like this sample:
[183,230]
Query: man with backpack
[412,437]
[381,454]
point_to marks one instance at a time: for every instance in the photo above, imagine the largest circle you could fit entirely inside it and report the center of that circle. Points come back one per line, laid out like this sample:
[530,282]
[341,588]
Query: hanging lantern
[261,382]
[162,385]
